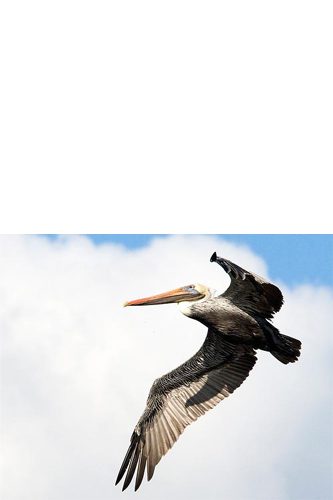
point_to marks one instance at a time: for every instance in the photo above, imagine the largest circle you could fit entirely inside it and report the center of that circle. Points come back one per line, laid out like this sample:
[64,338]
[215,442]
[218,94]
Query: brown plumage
[237,324]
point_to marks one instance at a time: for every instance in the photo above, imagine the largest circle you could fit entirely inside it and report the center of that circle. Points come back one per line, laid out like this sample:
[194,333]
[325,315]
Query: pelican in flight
[238,324]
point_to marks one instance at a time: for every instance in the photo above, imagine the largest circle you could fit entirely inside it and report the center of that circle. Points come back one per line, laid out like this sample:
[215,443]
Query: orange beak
[177,295]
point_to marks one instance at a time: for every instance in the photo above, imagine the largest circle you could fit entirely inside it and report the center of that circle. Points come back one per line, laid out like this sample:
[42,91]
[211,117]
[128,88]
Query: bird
[238,323]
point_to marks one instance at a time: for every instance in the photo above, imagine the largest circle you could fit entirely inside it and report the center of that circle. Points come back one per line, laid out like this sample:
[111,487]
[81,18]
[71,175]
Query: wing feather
[141,470]
[128,456]
[151,458]
[180,397]
[250,292]
[131,467]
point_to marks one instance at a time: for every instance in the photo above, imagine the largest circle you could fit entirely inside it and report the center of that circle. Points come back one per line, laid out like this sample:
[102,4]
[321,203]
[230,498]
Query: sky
[295,258]
[76,369]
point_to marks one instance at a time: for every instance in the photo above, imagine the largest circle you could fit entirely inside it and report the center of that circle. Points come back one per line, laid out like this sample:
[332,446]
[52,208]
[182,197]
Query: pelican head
[188,293]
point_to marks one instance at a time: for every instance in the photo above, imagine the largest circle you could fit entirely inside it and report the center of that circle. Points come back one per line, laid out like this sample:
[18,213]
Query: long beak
[176,295]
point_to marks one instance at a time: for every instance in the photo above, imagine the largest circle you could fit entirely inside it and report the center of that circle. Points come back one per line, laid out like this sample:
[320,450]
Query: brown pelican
[237,324]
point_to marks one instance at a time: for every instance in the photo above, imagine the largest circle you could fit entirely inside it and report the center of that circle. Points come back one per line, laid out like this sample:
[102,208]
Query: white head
[205,293]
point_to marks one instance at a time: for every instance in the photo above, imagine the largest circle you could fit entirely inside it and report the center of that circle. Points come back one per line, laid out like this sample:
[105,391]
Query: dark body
[238,324]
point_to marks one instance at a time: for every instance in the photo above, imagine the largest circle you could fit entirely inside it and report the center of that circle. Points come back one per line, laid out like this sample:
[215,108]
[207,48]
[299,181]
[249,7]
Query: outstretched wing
[178,398]
[250,292]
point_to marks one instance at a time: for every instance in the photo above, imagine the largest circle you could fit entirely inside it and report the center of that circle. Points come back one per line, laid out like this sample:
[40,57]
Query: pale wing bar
[176,401]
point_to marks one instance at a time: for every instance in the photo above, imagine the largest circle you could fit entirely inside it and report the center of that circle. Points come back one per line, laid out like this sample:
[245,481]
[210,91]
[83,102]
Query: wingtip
[118,479]
[213,257]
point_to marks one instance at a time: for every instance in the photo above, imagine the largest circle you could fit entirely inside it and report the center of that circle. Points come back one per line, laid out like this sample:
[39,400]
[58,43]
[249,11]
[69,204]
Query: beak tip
[125,304]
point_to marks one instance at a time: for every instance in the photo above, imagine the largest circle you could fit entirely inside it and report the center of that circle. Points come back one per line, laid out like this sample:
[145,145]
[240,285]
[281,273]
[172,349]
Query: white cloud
[77,368]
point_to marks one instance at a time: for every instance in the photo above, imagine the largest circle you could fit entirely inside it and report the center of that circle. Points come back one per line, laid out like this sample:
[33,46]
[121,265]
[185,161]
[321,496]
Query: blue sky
[294,258]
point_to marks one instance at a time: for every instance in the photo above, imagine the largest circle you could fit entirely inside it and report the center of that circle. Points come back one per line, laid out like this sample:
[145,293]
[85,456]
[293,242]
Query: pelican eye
[191,289]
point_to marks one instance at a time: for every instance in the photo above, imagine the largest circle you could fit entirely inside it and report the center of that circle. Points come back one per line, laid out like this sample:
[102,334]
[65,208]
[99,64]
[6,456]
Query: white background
[130,116]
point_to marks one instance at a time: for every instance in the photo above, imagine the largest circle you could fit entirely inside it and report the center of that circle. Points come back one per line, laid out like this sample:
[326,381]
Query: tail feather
[284,348]
[288,350]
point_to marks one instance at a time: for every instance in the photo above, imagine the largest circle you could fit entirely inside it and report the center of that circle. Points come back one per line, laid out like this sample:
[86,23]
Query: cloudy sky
[76,369]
